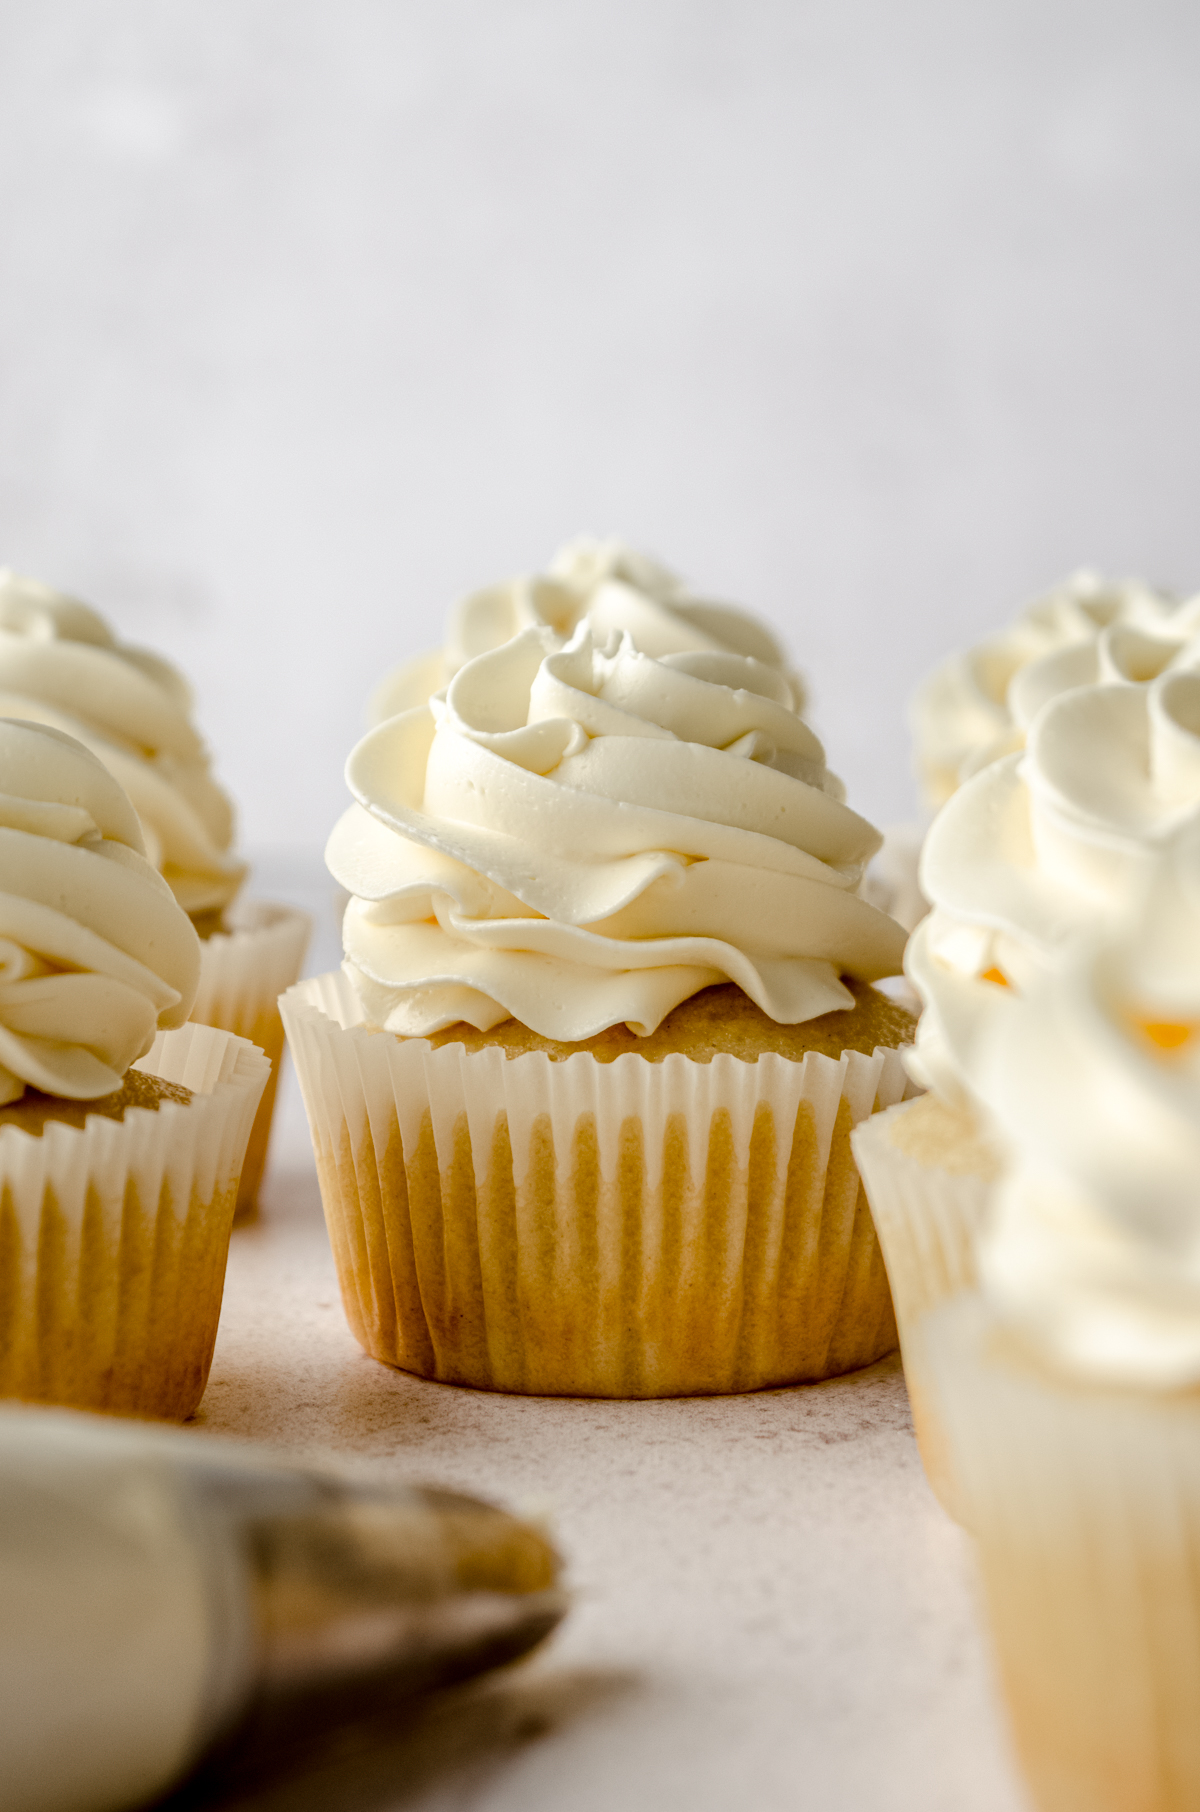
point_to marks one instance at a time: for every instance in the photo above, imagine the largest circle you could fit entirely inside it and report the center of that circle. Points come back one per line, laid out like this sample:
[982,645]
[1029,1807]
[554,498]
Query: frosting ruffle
[1039,847]
[61,665]
[1093,1249]
[95,953]
[617,589]
[978,704]
[579,836]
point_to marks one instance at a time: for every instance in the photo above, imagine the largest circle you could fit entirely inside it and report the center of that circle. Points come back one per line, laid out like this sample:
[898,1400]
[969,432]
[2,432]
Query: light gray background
[875,316]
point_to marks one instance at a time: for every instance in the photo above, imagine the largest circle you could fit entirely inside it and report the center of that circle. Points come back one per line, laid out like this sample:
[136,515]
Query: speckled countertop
[771,1611]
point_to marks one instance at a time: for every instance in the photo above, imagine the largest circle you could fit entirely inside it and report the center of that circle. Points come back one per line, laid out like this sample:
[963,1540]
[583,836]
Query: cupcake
[122,1127]
[581,1096]
[1029,854]
[929,1168]
[617,589]
[979,703]
[1069,1383]
[61,665]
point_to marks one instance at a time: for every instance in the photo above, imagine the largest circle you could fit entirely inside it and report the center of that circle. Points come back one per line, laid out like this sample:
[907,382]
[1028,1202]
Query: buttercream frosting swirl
[978,704]
[579,836]
[95,953]
[1093,1247]
[60,664]
[1040,846]
[617,589]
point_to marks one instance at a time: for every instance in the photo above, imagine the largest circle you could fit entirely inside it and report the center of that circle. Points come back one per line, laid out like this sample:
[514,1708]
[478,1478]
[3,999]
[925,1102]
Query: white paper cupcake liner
[629,1229]
[927,1220]
[113,1237]
[1085,1502]
[242,974]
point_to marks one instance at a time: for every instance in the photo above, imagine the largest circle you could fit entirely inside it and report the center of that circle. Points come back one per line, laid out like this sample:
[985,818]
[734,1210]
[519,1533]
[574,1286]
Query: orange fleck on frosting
[1167,1034]
[996,975]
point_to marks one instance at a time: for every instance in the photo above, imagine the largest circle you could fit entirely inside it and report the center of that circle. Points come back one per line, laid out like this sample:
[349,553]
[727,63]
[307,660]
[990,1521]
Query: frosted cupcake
[1070,1384]
[979,703]
[1033,851]
[581,1097]
[122,1128]
[617,589]
[61,665]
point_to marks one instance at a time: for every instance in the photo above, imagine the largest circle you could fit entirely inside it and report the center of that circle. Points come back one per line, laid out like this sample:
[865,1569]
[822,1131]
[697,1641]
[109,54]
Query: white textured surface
[772,1611]
[313,315]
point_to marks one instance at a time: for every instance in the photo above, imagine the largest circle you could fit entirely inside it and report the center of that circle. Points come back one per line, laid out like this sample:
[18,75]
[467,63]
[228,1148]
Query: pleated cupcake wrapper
[242,974]
[1085,1502]
[927,1220]
[627,1229]
[114,1235]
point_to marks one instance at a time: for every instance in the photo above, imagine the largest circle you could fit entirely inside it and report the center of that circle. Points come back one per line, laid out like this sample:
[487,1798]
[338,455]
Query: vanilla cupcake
[978,705]
[1029,854]
[581,1097]
[618,590]
[122,1128]
[1069,1384]
[60,664]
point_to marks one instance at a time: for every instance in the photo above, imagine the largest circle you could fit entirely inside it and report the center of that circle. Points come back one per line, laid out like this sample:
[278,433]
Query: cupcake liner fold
[927,1220]
[1085,1501]
[630,1229]
[242,974]
[113,1237]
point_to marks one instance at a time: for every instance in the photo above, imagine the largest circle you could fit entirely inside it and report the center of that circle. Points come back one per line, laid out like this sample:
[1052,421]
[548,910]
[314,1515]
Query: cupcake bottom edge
[728,1271]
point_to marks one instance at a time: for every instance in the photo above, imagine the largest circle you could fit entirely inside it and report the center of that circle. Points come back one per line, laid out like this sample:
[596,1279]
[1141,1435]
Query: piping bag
[159,1590]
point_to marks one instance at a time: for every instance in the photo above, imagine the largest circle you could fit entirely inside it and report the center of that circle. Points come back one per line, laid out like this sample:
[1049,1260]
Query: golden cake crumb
[717,1021]
[35,1111]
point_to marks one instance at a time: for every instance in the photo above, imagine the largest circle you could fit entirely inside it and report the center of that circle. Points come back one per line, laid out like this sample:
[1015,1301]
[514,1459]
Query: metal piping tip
[170,1601]
[420,1585]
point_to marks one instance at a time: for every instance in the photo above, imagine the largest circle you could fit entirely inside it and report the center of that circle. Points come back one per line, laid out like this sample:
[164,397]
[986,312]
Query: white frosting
[576,838]
[95,953]
[60,664]
[112,1634]
[617,589]
[978,705]
[1094,1245]
[1039,847]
